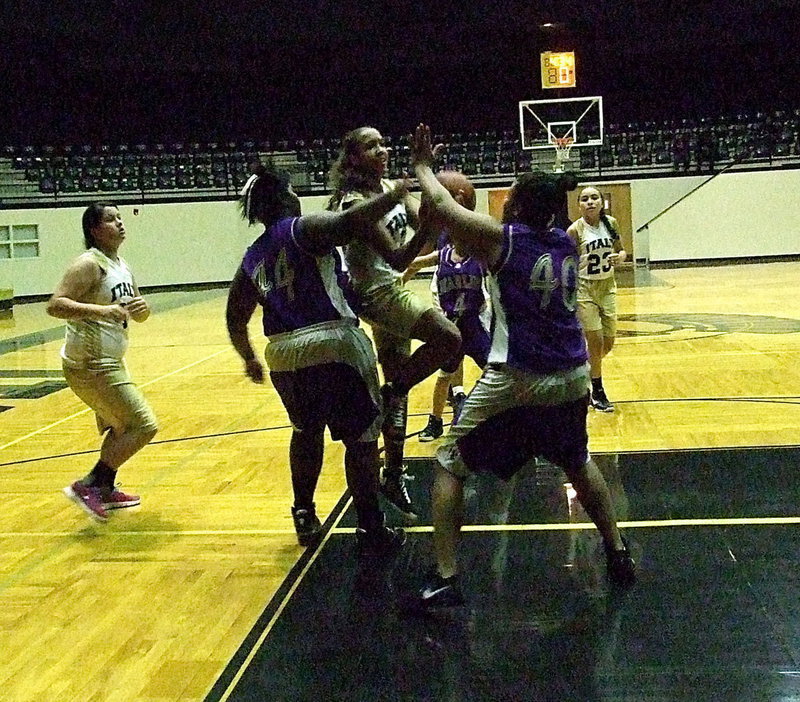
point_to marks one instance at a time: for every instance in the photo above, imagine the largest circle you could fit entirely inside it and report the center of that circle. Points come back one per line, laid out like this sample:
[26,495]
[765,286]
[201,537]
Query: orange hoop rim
[563,142]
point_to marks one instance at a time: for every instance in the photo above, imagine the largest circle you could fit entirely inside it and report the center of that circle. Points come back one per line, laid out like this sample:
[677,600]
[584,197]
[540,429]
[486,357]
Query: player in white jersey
[376,261]
[597,237]
[98,296]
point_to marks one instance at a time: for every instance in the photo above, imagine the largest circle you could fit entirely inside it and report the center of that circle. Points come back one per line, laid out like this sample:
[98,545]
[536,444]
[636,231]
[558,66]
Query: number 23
[597,263]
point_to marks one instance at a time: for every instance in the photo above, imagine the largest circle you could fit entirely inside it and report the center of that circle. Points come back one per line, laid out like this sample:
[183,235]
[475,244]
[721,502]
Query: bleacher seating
[674,146]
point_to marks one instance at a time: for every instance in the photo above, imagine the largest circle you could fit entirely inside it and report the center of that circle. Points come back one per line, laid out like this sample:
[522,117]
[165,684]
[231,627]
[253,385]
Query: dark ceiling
[117,70]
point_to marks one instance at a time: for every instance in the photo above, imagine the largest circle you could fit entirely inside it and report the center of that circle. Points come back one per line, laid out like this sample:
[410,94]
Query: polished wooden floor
[154,604]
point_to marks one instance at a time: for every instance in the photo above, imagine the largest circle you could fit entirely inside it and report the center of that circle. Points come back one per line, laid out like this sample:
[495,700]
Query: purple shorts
[330,394]
[475,343]
[513,416]
[504,443]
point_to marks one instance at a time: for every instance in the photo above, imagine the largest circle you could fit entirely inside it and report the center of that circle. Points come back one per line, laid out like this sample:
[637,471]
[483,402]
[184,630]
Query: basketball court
[707,620]
[202,593]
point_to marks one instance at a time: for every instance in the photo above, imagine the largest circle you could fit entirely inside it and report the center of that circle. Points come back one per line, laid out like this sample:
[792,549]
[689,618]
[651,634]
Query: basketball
[456,182]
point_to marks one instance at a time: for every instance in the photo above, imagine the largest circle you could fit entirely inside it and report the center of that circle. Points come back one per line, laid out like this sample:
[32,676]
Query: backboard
[541,122]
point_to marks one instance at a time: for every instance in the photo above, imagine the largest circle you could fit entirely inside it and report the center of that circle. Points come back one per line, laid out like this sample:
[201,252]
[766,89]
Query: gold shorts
[392,311]
[116,401]
[597,306]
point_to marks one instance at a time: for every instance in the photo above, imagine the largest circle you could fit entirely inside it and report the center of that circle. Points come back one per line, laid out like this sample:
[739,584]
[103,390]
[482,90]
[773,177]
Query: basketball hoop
[562,145]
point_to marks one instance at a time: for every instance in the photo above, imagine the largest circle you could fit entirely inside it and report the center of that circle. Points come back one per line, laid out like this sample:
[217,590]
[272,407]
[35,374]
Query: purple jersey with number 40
[296,288]
[533,289]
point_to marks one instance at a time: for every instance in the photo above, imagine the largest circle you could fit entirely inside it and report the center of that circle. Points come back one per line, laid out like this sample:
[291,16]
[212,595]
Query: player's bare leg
[306,450]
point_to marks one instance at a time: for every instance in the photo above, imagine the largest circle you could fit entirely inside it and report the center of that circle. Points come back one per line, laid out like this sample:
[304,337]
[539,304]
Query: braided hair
[610,227]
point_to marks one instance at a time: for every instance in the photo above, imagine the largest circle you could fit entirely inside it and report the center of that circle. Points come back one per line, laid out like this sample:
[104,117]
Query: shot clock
[558,69]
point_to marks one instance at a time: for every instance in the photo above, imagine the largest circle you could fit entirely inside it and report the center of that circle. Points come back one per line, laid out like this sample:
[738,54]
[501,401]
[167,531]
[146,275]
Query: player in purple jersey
[321,362]
[532,399]
[459,291]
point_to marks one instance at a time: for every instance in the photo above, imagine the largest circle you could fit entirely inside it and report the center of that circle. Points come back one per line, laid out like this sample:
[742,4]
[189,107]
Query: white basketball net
[562,146]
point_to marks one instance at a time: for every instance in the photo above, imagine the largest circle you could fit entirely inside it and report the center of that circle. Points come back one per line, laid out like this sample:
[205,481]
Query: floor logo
[30,384]
[690,325]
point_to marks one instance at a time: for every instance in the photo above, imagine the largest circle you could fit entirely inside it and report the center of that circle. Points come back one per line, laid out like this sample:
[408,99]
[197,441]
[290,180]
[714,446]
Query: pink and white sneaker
[88,499]
[118,499]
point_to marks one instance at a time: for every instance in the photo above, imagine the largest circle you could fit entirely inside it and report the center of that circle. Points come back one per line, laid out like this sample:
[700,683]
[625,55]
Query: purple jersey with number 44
[296,288]
[533,288]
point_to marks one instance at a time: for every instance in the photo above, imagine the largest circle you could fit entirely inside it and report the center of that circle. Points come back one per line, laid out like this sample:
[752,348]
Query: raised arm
[323,230]
[399,257]
[420,262]
[478,234]
[412,205]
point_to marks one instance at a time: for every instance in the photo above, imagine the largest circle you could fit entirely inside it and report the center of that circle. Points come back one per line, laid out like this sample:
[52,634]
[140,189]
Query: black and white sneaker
[307,525]
[441,592]
[379,542]
[434,429]
[621,567]
[600,402]
[393,488]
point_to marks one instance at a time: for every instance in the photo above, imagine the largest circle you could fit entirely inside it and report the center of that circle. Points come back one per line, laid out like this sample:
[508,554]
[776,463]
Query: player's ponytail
[537,196]
[610,227]
[245,194]
[567,182]
[262,199]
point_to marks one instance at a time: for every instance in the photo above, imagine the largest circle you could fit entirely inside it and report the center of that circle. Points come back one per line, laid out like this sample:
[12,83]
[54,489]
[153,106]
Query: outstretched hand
[422,151]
